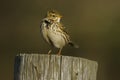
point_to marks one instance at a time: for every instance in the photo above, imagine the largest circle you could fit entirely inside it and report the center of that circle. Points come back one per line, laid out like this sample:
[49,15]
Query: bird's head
[54,15]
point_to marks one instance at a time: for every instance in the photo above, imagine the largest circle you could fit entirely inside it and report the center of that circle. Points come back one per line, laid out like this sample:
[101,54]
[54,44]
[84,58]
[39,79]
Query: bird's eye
[53,15]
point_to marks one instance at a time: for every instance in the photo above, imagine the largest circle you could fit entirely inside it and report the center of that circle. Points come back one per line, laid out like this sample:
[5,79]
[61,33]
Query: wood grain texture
[53,67]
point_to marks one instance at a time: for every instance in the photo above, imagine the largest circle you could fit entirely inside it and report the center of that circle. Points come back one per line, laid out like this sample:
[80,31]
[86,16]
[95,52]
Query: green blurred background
[93,24]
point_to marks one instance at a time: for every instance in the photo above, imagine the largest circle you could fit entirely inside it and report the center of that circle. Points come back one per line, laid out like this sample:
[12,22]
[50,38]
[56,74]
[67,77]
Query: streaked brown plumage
[53,31]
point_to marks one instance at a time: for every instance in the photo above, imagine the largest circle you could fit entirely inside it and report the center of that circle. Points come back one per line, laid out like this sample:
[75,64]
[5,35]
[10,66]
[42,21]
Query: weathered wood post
[53,67]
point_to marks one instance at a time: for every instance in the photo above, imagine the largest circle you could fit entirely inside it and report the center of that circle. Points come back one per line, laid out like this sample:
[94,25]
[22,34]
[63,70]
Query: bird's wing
[70,42]
[44,31]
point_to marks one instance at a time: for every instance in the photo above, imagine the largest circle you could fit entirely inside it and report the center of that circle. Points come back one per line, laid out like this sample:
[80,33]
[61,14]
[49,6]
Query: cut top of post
[53,67]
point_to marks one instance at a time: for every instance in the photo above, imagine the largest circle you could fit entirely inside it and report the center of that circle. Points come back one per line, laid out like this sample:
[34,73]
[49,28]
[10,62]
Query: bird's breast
[53,34]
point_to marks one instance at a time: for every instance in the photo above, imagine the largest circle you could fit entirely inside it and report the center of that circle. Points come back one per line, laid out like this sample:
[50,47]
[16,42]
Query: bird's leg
[49,52]
[59,52]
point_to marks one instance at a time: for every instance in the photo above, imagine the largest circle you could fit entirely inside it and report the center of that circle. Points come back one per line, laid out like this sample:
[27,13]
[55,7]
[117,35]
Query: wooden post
[53,67]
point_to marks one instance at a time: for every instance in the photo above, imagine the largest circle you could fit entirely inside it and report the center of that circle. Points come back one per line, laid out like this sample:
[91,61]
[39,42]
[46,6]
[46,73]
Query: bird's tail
[73,45]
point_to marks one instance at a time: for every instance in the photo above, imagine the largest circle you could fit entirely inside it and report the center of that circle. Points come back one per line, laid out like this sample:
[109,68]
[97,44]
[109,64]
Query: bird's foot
[59,53]
[49,52]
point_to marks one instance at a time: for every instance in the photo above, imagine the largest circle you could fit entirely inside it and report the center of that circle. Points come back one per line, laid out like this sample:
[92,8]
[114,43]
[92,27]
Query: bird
[54,32]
